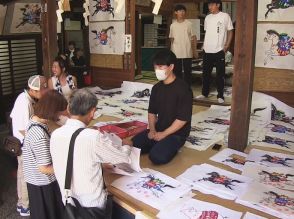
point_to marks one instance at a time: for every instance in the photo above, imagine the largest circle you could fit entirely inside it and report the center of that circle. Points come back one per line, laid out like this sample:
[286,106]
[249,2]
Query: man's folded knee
[159,159]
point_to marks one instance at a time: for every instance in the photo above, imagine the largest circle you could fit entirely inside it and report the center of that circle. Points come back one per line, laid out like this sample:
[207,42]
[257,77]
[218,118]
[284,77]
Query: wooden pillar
[133,33]
[138,44]
[244,59]
[49,35]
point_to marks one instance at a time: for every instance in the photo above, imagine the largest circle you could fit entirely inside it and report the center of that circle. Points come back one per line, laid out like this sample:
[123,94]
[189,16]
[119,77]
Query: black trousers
[209,61]
[160,152]
[187,65]
[45,201]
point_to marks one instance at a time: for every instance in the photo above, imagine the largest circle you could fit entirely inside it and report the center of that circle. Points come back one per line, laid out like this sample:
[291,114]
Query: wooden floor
[185,159]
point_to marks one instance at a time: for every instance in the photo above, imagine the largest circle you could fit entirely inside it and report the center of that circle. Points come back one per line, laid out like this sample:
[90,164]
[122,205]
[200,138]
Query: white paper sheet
[271,159]
[279,177]
[203,131]
[135,86]
[274,201]
[105,12]
[208,127]
[193,208]
[274,46]
[106,37]
[114,138]
[230,157]
[106,94]
[212,180]
[271,117]
[119,102]
[277,141]
[129,169]
[152,187]
[280,129]
[260,108]
[282,112]
[201,144]
[249,215]
[269,10]
[254,206]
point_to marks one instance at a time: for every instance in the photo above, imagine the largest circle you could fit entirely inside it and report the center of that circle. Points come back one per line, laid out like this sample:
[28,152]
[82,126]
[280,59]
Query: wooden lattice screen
[20,57]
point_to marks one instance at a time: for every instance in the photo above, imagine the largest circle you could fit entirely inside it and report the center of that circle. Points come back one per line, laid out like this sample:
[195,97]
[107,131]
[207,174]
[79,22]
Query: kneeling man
[169,113]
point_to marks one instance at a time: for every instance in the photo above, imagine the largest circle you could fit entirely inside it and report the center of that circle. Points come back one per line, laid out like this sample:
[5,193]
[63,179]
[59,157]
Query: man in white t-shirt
[218,36]
[20,115]
[183,44]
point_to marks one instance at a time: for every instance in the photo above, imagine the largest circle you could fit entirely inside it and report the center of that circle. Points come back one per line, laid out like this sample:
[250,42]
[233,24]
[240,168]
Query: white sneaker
[18,208]
[201,97]
[25,212]
[220,100]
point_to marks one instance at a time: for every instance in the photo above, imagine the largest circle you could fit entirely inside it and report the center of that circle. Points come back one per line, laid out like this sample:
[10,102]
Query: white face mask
[160,74]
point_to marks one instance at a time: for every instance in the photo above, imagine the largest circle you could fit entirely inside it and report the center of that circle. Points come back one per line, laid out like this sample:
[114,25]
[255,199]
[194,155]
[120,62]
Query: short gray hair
[81,102]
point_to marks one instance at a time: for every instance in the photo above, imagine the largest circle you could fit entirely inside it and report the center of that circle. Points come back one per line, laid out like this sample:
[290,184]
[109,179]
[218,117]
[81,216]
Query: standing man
[218,37]
[183,44]
[91,150]
[169,112]
[20,115]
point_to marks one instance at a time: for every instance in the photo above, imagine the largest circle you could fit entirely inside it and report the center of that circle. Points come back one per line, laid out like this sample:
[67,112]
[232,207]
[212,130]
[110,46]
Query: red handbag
[87,79]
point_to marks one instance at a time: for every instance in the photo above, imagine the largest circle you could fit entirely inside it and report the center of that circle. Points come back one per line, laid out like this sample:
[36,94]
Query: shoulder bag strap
[69,165]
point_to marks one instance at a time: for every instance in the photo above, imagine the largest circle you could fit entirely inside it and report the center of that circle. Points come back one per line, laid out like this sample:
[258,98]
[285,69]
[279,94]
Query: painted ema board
[107,37]
[26,18]
[275,46]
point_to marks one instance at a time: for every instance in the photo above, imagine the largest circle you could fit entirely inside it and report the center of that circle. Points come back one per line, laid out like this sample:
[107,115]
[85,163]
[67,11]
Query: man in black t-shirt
[169,113]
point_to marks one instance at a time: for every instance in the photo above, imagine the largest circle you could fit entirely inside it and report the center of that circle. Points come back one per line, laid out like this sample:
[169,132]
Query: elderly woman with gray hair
[91,150]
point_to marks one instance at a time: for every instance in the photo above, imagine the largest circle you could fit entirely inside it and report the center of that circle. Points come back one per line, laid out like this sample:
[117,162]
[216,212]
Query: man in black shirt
[169,113]
[78,59]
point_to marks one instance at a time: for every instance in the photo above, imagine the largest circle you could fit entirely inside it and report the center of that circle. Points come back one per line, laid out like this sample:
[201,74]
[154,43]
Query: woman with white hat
[20,115]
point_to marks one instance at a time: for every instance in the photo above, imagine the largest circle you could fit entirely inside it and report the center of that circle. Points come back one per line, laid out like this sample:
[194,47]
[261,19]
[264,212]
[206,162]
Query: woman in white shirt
[61,81]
